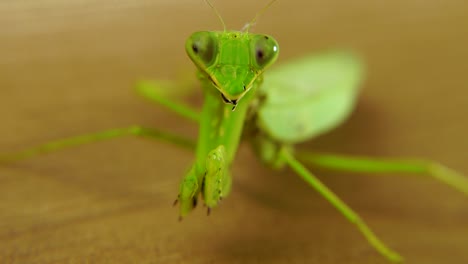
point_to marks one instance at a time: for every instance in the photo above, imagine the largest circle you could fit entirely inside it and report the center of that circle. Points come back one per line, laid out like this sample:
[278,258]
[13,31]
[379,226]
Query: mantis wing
[309,96]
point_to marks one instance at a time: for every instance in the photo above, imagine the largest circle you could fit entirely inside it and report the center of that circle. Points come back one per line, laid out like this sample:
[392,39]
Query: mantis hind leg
[374,165]
[341,206]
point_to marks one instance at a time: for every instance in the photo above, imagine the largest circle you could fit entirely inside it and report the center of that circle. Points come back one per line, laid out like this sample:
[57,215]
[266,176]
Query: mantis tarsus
[273,110]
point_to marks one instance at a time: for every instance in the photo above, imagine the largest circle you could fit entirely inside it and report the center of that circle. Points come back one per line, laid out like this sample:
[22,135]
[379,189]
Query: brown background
[67,68]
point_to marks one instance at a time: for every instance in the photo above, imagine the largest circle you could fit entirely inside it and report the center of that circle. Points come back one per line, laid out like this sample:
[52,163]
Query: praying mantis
[272,108]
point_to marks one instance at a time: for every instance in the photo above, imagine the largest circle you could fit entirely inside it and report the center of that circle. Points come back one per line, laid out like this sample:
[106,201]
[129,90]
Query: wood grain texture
[67,68]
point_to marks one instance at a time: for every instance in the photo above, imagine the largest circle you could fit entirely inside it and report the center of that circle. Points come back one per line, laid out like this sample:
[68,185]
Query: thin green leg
[149,90]
[95,137]
[374,165]
[341,206]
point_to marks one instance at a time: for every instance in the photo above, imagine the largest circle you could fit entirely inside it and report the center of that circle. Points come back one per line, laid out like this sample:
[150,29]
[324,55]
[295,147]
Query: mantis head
[232,60]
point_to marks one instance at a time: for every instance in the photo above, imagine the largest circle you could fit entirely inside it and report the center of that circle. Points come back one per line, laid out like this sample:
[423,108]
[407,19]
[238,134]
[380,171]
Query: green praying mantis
[272,109]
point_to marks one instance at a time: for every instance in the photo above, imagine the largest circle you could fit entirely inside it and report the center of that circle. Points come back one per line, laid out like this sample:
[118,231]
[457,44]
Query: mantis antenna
[217,13]
[259,13]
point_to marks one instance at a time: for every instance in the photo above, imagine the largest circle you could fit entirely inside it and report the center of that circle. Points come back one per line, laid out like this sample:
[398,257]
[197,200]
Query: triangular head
[231,60]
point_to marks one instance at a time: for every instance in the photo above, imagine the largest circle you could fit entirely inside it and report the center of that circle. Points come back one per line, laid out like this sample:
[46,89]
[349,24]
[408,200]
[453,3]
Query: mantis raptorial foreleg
[212,180]
[216,183]
[148,90]
[188,192]
[376,165]
[341,206]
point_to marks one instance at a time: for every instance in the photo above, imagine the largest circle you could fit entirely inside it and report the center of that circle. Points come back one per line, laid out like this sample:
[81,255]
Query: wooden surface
[67,68]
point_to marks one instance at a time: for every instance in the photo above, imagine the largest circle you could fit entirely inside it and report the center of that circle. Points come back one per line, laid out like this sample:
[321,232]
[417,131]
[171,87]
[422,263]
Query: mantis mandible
[272,108]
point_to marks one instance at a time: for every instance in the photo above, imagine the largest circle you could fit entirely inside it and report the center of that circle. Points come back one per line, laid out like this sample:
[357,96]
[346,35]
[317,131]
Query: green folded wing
[309,96]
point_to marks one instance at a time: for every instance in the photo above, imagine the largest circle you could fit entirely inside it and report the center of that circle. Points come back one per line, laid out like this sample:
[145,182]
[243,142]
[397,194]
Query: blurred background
[68,68]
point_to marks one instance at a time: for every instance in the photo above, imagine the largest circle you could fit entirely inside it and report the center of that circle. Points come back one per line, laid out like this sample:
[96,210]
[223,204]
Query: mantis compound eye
[202,47]
[264,51]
